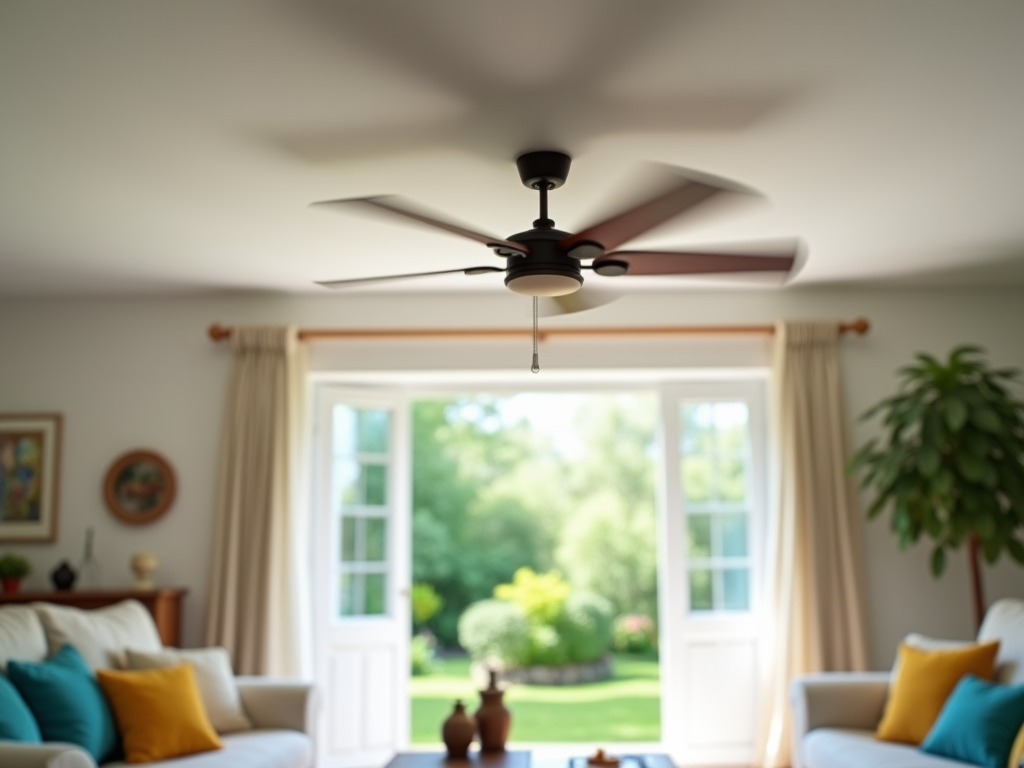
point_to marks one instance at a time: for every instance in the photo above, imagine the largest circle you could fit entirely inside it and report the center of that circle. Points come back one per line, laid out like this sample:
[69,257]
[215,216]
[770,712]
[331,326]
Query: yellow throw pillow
[924,680]
[158,712]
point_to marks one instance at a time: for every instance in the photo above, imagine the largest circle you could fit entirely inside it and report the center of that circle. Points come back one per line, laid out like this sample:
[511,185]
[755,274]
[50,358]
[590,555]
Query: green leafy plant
[425,603]
[950,463]
[421,654]
[14,567]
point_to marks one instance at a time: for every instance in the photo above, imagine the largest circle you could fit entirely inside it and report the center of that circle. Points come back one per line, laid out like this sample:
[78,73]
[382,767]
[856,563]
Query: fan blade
[585,298]
[361,280]
[399,207]
[687,190]
[691,263]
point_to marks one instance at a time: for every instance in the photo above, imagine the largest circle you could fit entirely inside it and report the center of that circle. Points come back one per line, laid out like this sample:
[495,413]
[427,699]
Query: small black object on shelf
[63,577]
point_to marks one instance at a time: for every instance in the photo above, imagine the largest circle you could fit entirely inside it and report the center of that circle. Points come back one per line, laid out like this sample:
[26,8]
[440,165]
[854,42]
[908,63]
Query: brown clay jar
[493,720]
[457,731]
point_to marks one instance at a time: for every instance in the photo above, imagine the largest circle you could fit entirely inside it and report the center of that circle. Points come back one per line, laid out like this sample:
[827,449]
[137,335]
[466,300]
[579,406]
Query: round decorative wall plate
[139,487]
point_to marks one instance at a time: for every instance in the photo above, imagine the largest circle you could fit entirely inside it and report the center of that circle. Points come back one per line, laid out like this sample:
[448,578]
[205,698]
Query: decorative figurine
[144,564]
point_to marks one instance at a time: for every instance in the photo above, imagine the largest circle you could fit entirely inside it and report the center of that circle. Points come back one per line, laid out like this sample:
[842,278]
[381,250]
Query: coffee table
[518,759]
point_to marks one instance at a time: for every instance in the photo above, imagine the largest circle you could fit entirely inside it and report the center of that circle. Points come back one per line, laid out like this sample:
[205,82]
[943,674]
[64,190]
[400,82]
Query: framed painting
[139,487]
[29,476]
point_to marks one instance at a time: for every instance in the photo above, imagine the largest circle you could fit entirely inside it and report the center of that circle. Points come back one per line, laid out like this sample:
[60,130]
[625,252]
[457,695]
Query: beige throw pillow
[21,635]
[214,678]
[101,634]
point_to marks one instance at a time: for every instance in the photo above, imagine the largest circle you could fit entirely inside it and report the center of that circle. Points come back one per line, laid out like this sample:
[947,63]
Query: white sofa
[835,714]
[283,712]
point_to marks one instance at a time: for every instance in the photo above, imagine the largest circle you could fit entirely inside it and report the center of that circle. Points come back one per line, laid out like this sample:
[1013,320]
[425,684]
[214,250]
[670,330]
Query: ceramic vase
[63,576]
[493,720]
[457,731]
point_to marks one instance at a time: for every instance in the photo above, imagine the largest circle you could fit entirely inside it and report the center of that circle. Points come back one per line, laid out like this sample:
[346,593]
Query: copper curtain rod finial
[860,326]
[218,332]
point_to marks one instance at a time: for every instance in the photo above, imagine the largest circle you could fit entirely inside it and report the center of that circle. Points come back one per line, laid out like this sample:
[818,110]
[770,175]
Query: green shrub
[585,627]
[425,603]
[546,647]
[421,654]
[495,630]
[634,633]
[541,595]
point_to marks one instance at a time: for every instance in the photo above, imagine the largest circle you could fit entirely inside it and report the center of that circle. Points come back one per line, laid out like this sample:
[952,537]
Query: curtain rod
[859,326]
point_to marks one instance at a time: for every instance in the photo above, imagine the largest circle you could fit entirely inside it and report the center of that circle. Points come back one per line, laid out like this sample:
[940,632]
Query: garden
[534,555]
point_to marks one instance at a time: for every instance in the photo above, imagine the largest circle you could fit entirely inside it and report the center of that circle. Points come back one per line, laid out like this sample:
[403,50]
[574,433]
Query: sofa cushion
[16,721]
[259,748]
[102,634]
[159,712]
[923,683]
[845,748]
[67,702]
[21,635]
[979,723]
[1004,621]
[216,681]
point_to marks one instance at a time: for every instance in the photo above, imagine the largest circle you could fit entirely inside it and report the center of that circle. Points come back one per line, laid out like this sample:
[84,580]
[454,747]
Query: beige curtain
[255,606]
[815,602]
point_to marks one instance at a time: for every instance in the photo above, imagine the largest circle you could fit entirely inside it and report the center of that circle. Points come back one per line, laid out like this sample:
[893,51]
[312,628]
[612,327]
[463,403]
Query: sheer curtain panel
[815,581]
[257,586]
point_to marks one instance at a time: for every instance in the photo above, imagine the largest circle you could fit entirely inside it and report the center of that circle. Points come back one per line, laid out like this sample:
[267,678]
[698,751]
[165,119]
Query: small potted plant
[13,568]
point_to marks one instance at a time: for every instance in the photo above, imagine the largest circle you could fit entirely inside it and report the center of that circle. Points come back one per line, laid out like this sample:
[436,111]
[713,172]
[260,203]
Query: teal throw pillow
[978,723]
[67,702]
[16,721]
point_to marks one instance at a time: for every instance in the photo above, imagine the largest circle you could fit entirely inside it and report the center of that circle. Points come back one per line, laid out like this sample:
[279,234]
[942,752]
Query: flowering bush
[634,633]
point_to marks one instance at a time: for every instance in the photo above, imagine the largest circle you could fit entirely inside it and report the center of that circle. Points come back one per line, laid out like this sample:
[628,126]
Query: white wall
[141,373]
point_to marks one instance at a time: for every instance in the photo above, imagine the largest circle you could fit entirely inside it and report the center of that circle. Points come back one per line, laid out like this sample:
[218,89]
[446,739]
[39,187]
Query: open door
[711,536]
[361,561]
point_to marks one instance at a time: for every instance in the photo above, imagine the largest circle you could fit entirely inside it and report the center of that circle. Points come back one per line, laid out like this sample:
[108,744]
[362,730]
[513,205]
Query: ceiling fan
[547,262]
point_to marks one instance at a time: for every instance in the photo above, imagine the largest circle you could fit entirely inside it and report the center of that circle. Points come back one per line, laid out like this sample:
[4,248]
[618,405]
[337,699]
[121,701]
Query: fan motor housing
[546,259]
[549,166]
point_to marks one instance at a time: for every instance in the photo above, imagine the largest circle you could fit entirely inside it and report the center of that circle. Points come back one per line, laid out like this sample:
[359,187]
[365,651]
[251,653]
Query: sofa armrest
[837,700]
[279,703]
[53,755]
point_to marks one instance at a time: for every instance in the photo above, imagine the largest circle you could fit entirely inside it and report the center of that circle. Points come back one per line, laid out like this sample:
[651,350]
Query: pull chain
[536,357]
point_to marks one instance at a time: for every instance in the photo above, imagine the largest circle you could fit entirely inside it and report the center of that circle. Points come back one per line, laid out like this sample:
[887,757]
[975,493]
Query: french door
[712,518]
[362,563]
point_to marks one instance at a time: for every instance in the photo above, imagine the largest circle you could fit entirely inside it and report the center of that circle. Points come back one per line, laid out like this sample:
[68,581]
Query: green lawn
[625,708]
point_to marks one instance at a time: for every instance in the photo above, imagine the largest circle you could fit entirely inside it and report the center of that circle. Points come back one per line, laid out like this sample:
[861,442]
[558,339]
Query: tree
[950,464]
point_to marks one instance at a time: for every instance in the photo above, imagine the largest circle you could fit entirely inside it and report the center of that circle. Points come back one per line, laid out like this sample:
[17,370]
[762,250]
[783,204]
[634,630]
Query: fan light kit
[547,262]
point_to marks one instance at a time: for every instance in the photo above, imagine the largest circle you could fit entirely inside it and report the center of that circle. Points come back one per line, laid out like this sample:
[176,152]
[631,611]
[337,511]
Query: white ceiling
[174,146]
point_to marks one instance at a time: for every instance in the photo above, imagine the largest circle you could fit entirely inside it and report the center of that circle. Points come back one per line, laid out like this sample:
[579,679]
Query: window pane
[344,430]
[376,535]
[376,484]
[732,480]
[346,479]
[374,594]
[349,590]
[700,590]
[699,538]
[731,424]
[734,534]
[697,429]
[736,587]
[348,539]
[373,431]
[697,478]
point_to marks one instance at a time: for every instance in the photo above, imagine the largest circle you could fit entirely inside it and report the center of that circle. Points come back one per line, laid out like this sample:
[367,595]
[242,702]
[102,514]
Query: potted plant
[949,464]
[13,568]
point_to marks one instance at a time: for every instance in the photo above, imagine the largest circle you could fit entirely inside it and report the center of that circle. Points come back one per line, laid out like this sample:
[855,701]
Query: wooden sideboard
[163,604]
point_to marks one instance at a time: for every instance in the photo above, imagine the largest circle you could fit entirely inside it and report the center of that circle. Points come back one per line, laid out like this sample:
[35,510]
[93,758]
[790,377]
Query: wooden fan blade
[396,206]
[687,190]
[691,263]
[585,298]
[362,280]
